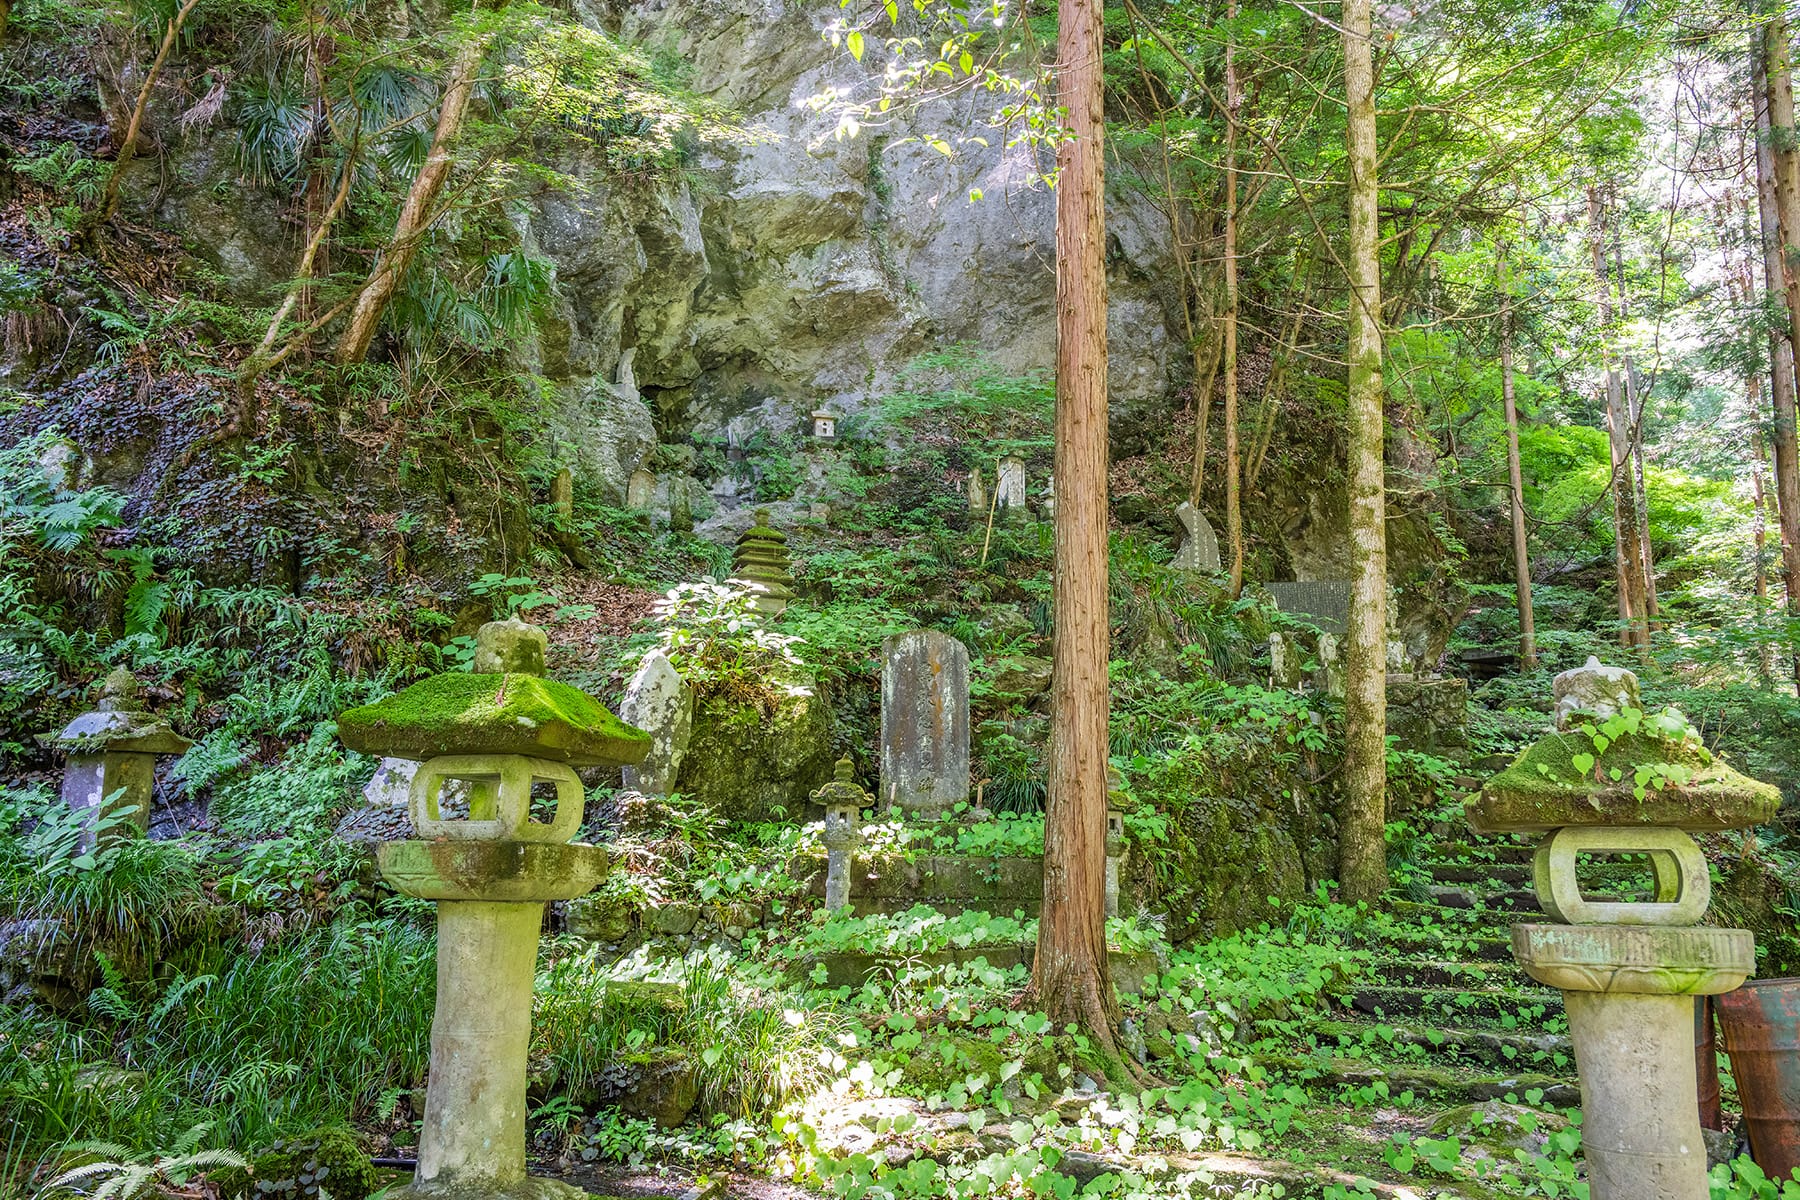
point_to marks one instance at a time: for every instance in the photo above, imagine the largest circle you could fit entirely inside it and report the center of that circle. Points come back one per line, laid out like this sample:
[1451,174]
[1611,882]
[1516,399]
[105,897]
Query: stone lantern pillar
[844,802]
[111,767]
[506,735]
[1614,780]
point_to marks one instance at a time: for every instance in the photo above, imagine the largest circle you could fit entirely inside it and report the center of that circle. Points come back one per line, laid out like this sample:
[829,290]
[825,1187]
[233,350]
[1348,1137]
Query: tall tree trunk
[1628,557]
[1069,973]
[418,213]
[1234,515]
[1521,554]
[1778,175]
[1362,849]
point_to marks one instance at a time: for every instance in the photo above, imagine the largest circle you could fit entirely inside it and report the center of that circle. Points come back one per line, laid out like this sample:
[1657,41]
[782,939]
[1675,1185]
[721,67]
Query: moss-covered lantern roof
[496,712]
[1632,768]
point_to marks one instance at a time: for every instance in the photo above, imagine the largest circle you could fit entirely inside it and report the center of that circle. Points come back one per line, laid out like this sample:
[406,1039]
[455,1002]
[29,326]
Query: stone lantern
[1628,971]
[762,561]
[111,768]
[1116,845]
[824,425]
[509,739]
[844,802]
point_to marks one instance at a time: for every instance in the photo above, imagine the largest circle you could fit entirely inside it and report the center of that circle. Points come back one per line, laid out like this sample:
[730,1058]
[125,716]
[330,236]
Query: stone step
[1446,974]
[1506,1049]
[1474,852]
[1514,874]
[1441,1085]
[1529,1008]
[1488,922]
[1511,900]
[1466,945]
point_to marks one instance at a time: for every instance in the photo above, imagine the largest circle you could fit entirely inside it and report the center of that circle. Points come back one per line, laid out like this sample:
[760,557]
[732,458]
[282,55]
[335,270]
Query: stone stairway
[1443,1011]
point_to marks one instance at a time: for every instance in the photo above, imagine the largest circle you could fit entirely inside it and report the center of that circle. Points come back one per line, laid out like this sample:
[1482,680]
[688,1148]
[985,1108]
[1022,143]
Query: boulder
[659,703]
[746,763]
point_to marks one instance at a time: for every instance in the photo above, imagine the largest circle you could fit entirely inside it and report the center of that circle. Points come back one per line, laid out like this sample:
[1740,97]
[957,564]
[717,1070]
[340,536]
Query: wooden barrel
[1761,1026]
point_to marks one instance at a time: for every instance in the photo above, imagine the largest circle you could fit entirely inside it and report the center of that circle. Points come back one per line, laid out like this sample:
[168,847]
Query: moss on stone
[458,713]
[1545,788]
[323,1162]
[946,1059]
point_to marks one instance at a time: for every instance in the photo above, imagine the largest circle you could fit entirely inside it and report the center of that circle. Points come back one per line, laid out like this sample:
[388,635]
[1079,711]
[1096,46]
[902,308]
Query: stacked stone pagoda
[485,739]
[762,561]
[112,752]
[1613,779]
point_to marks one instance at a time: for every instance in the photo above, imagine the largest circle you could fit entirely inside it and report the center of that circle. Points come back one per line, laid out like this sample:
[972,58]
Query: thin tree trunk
[1069,974]
[1234,516]
[1521,553]
[1634,408]
[258,362]
[109,201]
[1765,653]
[1206,370]
[1628,557]
[1778,173]
[1362,849]
[1276,384]
[417,214]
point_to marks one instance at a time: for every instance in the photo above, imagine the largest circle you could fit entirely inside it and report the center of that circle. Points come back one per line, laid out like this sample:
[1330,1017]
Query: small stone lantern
[1116,846]
[824,425]
[111,768]
[512,738]
[1628,972]
[844,802]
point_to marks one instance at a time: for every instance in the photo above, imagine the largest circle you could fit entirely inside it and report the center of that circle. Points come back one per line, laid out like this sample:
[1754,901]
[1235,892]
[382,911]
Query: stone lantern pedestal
[1615,780]
[498,736]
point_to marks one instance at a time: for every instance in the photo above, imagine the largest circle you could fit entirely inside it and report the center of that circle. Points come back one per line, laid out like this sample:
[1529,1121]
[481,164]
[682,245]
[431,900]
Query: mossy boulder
[324,1162]
[458,713]
[1658,774]
[745,760]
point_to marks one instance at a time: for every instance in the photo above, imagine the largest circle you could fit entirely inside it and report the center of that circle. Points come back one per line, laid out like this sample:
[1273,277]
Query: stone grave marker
[640,490]
[1323,602]
[924,722]
[662,705]
[1200,548]
[1009,488]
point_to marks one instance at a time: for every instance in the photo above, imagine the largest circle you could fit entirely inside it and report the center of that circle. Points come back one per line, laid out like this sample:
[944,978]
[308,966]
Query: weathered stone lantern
[824,424]
[1115,837]
[1614,780]
[513,738]
[762,561]
[844,802]
[111,767]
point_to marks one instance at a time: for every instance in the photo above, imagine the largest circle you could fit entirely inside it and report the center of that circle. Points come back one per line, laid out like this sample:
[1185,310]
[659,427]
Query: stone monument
[1628,971]
[844,802]
[1116,846]
[502,730]
[762,561]
[111,767]
[662,705]
[1009,488]
[978,497]
[1200,547]
[640,489]
[924,721]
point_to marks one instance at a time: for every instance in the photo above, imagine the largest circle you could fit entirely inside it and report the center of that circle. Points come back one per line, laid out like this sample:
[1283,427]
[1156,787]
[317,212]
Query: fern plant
[121,1175]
